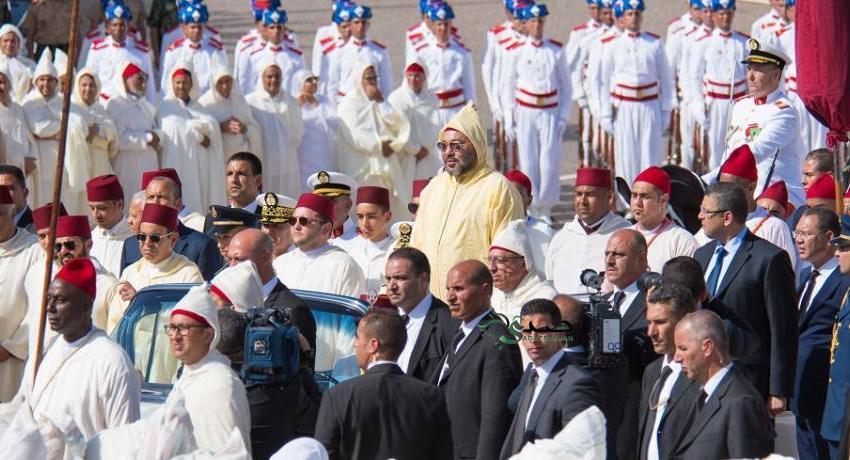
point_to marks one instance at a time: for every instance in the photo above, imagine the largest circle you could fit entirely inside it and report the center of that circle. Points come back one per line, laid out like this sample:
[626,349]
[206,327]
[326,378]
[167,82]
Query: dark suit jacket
[759,287]
[192,244]
[384,413]
[639,353]
[477,387]
[26,220]
[281,298]
[732,424]
[676,412]
[744,344]
[838,391]
[815,328]
[568,391]
[434,338]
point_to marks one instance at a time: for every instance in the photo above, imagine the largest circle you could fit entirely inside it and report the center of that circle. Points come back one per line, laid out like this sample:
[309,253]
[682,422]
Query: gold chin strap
[835,327]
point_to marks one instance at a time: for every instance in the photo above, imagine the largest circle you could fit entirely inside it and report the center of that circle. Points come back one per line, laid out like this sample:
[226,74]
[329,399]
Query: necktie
[701,401]
[714,276]
[450,356]
[522,411]
[618,299]
[659,384]
[405,319]
[807,294]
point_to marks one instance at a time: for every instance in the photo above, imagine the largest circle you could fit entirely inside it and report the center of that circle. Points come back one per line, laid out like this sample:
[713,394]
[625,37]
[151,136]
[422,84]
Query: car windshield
[142,335]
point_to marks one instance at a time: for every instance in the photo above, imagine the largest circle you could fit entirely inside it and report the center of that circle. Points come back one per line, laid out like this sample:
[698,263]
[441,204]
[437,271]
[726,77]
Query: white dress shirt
[467,328]
[414,325]
[824,272]
[715,380]
[543,372]
[731,247]
[631,291]
[663,397]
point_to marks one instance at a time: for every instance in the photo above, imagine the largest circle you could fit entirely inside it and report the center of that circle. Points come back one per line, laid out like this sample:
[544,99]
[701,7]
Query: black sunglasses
[303,221]
[155,237]
[69,245]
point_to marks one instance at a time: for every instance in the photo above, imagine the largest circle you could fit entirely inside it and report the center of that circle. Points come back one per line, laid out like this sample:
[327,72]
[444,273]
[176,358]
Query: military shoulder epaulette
[743,97]
[497,29]
[673,21]
[245,48]
[330,48]
[422,46]
[581,26]
[747,36]
[295,50]
[505,40]
[656,36]
[216,44]
[781,104]
[556,43]
[768,25]
[142,48]
[379,45]
[608,38]
[781,31]
[93,33]
[325,40]
[411,28]
[515,45]
[212,29]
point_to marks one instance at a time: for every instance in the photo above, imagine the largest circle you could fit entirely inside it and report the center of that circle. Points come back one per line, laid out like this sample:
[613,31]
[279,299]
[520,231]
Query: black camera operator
[284,410]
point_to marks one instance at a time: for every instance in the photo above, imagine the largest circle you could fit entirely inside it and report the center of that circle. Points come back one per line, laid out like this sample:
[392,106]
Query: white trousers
[718,121]
[637,138]
[447,114]
[686,133]
[539,149]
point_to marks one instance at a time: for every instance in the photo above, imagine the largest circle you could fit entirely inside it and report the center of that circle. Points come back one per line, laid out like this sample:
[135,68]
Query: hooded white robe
[134,118]
[184,125]
[280,119]
[364,125]
[20,67]
[16,255]
[421,111]
[92,379]
[235,106]
[16,141]
[318,148]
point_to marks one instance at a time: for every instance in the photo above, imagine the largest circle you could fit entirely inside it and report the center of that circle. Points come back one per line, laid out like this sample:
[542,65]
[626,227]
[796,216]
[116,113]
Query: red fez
[160,215]
[81,274]
[104,188]
[130,70]
[73,226]
[41,215]
[180,72]
[594,177]
[6,195]
[741,163]
[373,195]
[170,173]
[779,193]
[414,67]
[419,185]
[823,188]
[655,176]
[518,177]
[317,203]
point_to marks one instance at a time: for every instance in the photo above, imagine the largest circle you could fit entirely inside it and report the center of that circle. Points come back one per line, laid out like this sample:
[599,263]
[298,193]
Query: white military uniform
[251,42]
[771,127]
[489,66]
[766,25]
[176,33]
[635,71]
[201,55]
[99,32]
[288,58]
[812,131]
[686,112]
[106,54]
[326,269]
[665,242]
[535,91]
[572,251]
[576,54]
[418,34]
[716,69]
[450,74]
[344,61]
[323,47]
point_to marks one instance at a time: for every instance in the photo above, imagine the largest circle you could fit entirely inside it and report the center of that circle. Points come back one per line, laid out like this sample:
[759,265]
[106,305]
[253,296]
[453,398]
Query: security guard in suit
[839,351]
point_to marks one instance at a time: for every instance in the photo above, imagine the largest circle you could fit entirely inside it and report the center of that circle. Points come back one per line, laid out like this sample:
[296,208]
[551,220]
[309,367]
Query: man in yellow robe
[464,207]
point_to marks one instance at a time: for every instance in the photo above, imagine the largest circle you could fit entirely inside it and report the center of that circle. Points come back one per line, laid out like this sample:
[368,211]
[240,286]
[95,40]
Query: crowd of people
[250,174]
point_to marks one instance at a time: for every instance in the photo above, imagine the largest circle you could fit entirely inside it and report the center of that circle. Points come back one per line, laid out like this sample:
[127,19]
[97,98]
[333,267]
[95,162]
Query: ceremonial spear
[57,180]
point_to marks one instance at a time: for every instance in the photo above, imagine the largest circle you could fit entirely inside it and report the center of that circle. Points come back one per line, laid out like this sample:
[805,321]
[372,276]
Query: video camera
[272,351]
[605,342]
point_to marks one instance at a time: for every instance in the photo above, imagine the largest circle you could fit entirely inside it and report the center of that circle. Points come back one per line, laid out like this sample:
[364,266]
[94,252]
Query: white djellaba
[234,106]
[184,125]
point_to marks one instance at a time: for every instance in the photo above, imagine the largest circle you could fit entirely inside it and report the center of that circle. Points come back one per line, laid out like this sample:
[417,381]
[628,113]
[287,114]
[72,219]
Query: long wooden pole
[57,180]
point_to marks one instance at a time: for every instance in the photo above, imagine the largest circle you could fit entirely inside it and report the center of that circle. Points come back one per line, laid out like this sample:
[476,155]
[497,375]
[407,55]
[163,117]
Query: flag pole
[57,179]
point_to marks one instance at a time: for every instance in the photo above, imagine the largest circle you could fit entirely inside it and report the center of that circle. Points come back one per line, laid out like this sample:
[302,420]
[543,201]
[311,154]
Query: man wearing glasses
[315,264]
[214,396]
[159,263]
[73,241]
[755,279]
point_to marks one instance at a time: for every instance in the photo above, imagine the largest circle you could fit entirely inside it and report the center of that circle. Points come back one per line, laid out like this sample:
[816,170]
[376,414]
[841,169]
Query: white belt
[451,99]
[636,93]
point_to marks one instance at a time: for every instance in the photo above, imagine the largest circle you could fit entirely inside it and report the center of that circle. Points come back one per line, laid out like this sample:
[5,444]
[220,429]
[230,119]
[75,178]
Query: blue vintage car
[142,336]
